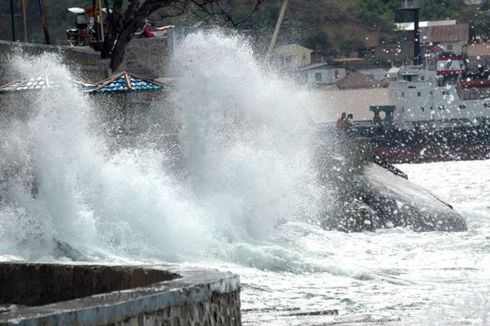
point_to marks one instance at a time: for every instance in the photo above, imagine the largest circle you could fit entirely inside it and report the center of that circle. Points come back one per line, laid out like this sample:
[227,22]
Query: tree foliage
[123,20]
[333,26]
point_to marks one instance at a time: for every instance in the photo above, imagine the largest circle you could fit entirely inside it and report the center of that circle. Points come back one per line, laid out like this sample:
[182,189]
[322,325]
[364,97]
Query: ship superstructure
[432,99]
[436,114]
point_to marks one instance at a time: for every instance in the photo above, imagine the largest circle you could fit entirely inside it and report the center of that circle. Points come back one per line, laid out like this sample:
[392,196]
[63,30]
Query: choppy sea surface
[393,275]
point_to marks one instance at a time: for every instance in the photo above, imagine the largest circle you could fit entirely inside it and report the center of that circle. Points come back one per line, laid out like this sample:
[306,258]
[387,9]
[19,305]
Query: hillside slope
[336,27]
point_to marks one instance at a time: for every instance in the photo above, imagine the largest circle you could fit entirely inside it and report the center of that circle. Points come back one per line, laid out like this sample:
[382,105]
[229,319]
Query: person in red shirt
[147,30]
[341,122]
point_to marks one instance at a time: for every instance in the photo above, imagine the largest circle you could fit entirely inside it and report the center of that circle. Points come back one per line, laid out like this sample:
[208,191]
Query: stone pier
[61,294]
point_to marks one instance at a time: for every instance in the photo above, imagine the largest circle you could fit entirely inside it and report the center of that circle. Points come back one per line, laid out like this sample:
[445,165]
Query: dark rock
[365,193]
[399,202]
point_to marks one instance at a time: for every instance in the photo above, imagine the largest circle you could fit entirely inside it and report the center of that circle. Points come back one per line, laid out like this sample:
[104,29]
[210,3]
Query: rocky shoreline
[370,194]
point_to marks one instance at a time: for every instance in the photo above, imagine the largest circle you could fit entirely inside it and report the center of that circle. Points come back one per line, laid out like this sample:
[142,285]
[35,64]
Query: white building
[292,56]
[322,74]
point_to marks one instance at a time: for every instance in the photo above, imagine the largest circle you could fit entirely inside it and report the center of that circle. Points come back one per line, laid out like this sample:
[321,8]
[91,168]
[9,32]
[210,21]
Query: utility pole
[94,12]
[24,18]
[101,21]
[98,21]
[276,30]
[12,19]
[44,19]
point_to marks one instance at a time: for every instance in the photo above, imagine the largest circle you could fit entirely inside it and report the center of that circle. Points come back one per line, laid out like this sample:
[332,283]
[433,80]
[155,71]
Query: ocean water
[248,201]
[394,275]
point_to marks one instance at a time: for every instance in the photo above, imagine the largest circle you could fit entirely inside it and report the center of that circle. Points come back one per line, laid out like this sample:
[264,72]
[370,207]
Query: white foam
[246,147]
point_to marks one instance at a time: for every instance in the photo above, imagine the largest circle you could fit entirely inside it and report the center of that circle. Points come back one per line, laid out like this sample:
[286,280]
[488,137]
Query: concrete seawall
[60,294]
[144,56]
[84,60]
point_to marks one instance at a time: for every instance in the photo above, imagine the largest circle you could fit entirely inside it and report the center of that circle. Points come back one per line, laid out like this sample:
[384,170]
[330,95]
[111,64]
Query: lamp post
[12,19]
[44,21]
[24,18]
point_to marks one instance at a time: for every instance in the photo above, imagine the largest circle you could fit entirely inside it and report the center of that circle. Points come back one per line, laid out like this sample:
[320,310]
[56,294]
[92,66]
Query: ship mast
[413,7]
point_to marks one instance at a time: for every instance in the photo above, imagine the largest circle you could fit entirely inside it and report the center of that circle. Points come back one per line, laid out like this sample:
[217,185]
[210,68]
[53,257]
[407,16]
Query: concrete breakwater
[65,294]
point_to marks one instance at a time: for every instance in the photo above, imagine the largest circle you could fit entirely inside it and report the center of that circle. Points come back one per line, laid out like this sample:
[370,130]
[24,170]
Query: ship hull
[417,146]
[431,153]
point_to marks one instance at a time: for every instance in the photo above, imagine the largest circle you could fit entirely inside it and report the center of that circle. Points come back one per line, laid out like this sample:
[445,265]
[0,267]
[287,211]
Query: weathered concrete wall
[149,57]
[133,295]
[53,283]
[84,60]
[220,310]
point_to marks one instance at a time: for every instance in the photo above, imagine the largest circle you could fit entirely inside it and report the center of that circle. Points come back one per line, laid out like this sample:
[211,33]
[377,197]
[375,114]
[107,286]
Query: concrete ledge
[164,295]
[83,59]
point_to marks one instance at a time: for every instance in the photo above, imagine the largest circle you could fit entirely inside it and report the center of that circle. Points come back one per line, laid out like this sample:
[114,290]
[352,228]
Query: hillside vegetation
[336,27]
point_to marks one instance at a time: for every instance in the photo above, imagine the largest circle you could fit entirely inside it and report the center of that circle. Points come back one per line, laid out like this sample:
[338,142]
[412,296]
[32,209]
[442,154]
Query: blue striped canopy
[41,83]
[126,82]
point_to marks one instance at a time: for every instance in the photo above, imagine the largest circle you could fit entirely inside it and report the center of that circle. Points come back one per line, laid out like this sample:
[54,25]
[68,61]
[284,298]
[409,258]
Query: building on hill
[448,34]
[435,37]
[478,55]
[378,74]
[292,56]
[350,63]
[451,38]
[320,74]
[357,80]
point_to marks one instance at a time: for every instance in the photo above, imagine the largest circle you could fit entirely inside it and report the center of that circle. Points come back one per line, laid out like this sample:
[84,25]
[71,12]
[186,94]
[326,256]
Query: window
[445,93]
[422,109]
[403,94]
[449,47]
[486,105]
[336,74]
[318,76]
[419,94]
[462,107]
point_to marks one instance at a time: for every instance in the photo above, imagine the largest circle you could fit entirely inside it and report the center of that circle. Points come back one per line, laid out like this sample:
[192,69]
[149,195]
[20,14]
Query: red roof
[356,80]
[449,33]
